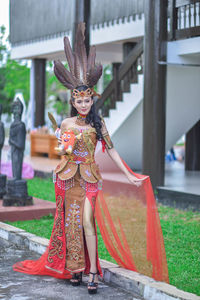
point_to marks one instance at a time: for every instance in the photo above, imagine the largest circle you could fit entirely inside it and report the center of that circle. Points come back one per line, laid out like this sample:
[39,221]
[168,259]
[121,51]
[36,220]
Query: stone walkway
[20,286]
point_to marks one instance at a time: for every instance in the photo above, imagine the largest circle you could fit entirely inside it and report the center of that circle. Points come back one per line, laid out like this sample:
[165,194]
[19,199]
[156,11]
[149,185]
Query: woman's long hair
[92,117]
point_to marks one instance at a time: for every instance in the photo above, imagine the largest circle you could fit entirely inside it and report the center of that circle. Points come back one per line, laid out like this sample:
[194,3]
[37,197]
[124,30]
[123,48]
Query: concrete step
[178,199]
[21,213]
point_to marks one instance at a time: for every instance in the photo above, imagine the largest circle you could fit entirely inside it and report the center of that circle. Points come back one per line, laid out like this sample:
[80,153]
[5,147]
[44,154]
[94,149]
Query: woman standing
[81,169]
[73,245]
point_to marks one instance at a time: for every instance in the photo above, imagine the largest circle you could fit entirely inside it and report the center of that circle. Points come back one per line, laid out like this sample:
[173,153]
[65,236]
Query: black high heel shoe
[76,279]
[92,284]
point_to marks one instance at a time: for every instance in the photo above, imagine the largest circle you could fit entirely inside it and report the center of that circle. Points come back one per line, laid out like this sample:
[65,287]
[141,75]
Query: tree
[59,93]
[17,77]
[14,75]
[3,98]
[2,46]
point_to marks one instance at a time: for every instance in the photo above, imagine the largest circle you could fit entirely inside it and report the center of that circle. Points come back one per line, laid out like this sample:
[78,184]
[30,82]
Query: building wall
[32,20]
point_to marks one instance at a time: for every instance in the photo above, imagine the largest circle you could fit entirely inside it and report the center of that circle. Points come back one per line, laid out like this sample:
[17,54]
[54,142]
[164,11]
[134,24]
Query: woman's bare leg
[89,229]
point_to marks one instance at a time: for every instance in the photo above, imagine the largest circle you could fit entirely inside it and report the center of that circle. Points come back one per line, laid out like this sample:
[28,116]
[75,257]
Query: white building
[117,27]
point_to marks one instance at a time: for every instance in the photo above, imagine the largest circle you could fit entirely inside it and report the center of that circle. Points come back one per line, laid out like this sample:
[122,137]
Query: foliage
[14,75]
[3,97]
[56,89]
[2,45]
[61,107]
[181,231]
[53,84]
[17,78]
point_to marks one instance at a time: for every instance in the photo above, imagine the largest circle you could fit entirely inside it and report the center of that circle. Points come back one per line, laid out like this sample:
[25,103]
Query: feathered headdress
[82,69]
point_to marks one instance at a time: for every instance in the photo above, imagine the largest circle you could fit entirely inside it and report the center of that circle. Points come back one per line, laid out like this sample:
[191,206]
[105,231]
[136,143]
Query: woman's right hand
[62,152]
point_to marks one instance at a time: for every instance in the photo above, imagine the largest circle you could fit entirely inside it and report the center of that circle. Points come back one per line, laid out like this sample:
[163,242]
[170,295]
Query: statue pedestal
[16,194]
[2,185]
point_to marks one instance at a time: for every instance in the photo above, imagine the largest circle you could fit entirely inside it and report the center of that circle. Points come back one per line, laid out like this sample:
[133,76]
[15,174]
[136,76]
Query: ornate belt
[87,161]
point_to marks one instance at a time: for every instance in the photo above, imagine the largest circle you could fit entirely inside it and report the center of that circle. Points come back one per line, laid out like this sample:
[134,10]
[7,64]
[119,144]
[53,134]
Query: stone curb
[143,286]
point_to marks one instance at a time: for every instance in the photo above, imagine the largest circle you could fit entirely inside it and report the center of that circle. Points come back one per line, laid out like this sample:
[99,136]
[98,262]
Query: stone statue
[2,139]
[17,139]
[16,188]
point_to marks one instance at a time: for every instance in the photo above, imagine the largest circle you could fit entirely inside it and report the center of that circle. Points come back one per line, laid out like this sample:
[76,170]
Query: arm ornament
[106,136]
[108,141]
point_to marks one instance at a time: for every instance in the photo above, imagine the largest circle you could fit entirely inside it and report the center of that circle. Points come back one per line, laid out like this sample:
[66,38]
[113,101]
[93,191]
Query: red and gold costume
[79,176]
[126,214]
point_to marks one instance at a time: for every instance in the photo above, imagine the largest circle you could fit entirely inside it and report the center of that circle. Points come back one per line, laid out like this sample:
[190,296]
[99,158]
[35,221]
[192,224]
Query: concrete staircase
[182,112]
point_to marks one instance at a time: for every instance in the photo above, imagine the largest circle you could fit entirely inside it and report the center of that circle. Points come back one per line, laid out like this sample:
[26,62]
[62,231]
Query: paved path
[19,286]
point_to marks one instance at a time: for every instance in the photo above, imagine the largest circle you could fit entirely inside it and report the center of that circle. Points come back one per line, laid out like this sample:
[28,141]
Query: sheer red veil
[129,222]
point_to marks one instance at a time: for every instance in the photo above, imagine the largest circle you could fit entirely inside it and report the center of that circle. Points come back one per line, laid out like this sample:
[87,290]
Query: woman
[72,247]
[87,121]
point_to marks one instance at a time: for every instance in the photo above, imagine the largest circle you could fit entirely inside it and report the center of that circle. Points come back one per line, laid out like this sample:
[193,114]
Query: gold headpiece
[87,93]
[77,94]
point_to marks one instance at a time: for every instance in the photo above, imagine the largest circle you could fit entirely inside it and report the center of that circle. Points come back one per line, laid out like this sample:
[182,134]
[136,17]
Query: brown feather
[69,54]
[91,58]
[62,80]
[94,75]
[81,50]
[63,76]
[76,67]
[65,73]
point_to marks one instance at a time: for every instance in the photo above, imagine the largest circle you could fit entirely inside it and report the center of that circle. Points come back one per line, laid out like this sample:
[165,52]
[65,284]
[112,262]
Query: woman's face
[83,105]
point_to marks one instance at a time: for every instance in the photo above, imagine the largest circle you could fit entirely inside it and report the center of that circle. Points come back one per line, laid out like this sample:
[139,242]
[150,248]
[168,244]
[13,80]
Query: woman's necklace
[81,119]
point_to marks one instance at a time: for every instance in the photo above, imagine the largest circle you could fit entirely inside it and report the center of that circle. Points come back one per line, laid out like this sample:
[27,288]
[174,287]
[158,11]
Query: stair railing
[126,74]
[184,18]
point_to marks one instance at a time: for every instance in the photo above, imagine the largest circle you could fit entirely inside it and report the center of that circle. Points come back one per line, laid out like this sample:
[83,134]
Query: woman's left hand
[135,180]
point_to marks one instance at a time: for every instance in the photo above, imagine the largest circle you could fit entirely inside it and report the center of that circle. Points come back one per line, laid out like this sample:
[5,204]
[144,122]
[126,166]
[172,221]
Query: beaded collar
[81,119]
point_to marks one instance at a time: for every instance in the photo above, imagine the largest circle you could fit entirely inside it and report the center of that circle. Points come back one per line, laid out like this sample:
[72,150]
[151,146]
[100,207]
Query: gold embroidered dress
[78,175]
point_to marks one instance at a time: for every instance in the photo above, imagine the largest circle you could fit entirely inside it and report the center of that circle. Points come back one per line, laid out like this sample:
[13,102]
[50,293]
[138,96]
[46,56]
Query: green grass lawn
[181,231]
